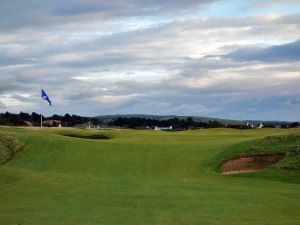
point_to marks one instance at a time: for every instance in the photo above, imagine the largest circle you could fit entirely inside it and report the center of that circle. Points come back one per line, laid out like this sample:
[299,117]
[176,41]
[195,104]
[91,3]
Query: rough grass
[292,160]
[281,143]
[290,144]
[9,145]
[142,178]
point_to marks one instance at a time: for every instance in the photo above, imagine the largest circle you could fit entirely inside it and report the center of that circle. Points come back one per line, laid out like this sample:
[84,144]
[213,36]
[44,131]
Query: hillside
[165,117]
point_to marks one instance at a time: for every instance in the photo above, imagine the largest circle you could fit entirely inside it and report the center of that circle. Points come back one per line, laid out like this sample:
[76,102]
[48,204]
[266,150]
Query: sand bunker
[94,136]
[250,163]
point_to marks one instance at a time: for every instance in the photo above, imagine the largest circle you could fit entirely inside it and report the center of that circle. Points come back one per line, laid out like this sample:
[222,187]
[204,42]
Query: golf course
[67,176]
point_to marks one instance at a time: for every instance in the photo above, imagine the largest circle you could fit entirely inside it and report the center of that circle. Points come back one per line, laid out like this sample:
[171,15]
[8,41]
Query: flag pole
[41,106]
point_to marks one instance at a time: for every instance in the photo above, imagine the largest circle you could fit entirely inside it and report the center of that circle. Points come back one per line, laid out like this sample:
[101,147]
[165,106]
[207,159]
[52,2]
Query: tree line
[23,119]
[33,119]
[176,123]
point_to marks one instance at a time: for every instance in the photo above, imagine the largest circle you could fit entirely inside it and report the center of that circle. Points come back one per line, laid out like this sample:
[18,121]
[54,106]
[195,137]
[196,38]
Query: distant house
[163,128]
[103,127]
[106,127]
[250,125]
[115,128]
[260,125]
[143,128]
[52,123]
[88,125]
[28,123]
[254,125]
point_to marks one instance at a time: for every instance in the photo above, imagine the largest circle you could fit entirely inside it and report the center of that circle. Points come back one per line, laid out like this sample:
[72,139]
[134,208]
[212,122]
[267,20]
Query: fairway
[142,178]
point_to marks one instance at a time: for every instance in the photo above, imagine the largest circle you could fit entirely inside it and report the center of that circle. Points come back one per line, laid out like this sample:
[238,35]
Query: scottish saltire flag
[45,97]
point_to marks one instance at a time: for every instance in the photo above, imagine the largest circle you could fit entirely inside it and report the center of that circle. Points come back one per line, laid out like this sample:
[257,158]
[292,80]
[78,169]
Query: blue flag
[45,97]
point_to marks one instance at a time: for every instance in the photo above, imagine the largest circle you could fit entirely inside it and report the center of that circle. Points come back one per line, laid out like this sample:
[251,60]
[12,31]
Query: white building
[163,128]
[52,123]
[250,125]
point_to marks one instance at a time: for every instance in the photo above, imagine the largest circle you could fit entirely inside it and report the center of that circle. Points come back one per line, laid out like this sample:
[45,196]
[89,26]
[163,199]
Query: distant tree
[294,124]
[269,125]
[190,122]
[76,120]
[25,116]
[56,117]
[95,121]
[67,120]
[120,121]
[35,118]
[19,119]
[215,124]
[12,119]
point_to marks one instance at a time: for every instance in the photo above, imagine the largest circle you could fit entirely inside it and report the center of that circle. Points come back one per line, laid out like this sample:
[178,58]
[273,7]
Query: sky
[218,58]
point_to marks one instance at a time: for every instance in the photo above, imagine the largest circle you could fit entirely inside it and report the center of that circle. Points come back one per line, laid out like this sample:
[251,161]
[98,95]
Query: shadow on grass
[93,136]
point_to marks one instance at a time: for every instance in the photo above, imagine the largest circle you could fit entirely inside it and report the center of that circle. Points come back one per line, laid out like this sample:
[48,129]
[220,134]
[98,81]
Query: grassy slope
[140,177]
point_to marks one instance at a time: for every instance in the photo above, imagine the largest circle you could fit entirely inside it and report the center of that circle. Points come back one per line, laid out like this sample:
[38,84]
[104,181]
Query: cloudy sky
[219,58]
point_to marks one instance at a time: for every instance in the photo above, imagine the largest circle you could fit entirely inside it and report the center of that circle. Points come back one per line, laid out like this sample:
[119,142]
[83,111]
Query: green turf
[142,177]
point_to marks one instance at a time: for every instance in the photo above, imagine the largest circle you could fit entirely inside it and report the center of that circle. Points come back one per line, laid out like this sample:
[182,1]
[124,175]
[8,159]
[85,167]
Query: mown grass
[142,177]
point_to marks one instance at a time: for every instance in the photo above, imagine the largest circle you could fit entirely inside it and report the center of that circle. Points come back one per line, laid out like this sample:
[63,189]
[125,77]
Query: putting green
[142,177]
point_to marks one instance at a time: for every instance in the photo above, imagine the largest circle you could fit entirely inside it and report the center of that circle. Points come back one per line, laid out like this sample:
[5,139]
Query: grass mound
[286,170]
[9,145]
[290,144]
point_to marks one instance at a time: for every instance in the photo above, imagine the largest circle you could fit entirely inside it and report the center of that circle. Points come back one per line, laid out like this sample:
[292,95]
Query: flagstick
[41,107]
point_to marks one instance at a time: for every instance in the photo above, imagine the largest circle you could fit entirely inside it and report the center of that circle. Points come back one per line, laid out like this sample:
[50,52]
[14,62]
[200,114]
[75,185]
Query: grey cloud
[138,46]
[28,80]
[81,7]
[80,97]
[98,61]
[231,22]
[2,106]
[22,98]
[269,3]
[77,65]
[18,13]
[6,87]
[278,53]
[6,61]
